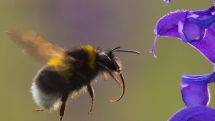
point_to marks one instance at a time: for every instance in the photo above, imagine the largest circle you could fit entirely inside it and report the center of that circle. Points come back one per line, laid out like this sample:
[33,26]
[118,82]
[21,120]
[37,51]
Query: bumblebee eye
[104,57]
[108,61]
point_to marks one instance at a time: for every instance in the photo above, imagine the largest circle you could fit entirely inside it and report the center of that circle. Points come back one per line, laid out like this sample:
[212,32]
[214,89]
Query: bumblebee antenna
[117,49]
[128,51]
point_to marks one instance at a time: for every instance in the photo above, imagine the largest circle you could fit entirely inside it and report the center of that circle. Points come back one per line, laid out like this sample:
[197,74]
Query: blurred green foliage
[152,85]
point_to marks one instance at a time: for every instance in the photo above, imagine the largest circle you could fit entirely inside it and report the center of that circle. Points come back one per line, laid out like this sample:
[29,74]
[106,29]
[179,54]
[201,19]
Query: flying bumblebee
[67,72]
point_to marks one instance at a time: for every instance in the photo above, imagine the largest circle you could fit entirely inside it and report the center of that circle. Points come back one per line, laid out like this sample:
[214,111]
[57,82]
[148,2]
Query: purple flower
[195,28]
[167,1]
[196,96]
[194,89]
[197,113]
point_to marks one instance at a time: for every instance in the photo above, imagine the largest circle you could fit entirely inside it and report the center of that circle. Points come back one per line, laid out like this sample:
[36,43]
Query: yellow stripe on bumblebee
[91,52]
[54,62]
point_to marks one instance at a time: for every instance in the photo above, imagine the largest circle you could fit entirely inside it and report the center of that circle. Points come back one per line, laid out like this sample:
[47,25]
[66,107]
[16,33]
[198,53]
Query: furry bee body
[55,83]
[67,71]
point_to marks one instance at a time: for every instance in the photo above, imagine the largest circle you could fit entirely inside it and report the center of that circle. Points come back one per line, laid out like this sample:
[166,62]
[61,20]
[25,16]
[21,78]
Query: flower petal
[194,89]
[197,113]
[193,95]
[207,45]
[167,1]
[167,26]
[198,79]
[197,28]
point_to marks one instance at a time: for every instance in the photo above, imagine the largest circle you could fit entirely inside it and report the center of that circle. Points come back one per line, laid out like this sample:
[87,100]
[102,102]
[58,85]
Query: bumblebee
[67,72]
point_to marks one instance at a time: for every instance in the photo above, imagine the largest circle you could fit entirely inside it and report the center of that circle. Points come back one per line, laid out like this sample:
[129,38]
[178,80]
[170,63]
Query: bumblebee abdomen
[50,81]
[44,100]
[47,88]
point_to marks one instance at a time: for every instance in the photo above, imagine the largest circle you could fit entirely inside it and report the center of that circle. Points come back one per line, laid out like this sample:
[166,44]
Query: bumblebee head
[107,61]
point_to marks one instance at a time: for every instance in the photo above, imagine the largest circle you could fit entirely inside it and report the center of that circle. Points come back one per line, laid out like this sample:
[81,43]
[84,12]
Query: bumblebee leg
[38,110]
[90,91]
[92,95]
[63,105]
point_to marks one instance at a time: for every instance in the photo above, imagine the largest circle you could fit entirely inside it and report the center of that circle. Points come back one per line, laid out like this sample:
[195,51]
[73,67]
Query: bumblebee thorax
[57,62]
[91,53]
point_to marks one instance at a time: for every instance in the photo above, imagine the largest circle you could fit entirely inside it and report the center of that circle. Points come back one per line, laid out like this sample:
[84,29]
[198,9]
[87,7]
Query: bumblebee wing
[35,45]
